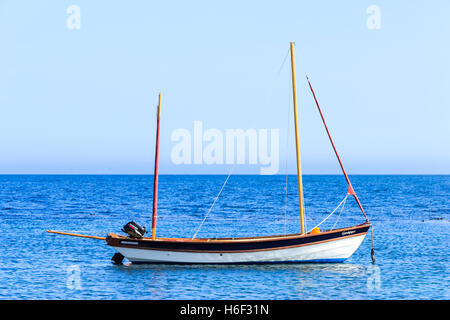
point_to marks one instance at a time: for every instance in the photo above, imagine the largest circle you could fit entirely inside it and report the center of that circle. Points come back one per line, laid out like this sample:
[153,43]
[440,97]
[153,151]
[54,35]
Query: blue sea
[410,215]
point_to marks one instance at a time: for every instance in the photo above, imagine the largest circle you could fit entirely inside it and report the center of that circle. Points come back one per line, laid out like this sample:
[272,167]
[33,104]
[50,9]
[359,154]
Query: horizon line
[221,174]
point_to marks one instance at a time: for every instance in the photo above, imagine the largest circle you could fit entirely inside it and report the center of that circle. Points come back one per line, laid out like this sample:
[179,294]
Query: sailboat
[314,246]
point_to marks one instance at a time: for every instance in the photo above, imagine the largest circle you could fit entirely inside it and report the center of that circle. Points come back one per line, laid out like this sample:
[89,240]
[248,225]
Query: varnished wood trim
[120,245]
[242,239]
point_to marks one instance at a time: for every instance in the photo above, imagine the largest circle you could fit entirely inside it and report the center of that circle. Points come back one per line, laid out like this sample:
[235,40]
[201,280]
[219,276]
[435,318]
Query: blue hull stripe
[254,262]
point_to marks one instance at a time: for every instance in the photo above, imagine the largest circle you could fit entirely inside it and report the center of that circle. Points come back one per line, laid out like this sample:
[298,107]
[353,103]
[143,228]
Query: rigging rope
[285,202]
[343,201]
[215,200]
[350,187]
[287,153]
[277,78]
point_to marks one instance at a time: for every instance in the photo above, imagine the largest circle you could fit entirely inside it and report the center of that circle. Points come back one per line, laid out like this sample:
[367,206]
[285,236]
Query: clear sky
[83,100]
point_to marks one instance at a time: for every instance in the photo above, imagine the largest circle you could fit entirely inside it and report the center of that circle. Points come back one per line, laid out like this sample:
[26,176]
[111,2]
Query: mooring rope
[372,251]
[215,200]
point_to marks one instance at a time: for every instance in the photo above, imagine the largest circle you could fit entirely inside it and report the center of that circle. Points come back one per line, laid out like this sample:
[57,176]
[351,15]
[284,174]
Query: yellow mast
[297,144]
[155,181]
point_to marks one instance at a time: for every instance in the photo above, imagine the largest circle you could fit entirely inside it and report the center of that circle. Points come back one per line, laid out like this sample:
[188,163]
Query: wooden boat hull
[330,246]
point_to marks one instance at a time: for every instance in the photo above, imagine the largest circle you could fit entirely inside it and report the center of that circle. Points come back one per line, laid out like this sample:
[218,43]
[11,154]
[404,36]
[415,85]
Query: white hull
[330,251]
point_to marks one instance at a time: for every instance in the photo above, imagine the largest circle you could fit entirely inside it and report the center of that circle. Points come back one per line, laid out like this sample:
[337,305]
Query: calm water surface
[410,214]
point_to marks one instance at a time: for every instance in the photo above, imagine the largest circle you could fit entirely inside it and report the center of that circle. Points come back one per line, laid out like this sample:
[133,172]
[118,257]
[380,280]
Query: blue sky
[83,100]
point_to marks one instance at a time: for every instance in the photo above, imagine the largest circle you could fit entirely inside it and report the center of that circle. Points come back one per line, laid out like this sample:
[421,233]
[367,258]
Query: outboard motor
[134,230]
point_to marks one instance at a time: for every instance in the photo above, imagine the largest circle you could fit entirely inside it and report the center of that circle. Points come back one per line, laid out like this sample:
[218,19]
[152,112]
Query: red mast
[350,187]
[155,181]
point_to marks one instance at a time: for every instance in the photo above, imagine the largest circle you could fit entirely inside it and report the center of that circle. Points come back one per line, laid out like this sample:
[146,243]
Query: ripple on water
[410,215]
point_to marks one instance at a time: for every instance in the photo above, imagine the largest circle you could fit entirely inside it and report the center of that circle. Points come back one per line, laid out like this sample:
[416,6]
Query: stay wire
[287,153]
[342,209]
[215,200]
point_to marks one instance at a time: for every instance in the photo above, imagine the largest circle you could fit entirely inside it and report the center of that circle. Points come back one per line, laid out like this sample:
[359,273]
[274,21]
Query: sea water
[410,215]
